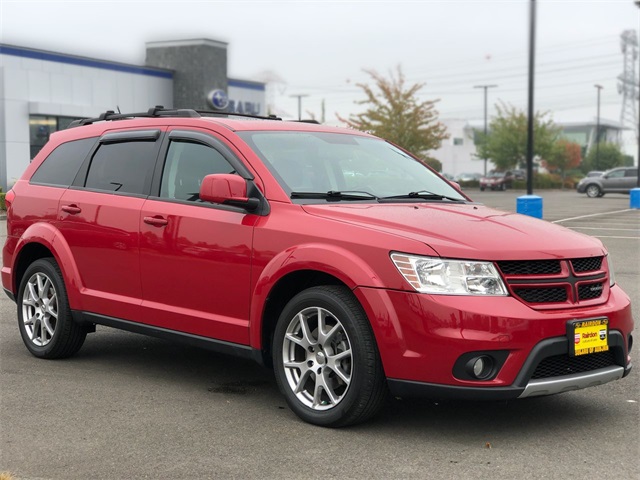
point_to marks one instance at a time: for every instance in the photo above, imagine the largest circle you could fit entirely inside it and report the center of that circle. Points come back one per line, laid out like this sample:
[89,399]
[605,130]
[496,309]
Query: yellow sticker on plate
[590,336]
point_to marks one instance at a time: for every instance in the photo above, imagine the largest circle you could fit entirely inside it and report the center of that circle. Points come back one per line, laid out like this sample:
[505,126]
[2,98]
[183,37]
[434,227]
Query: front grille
[535,267]
[589,291]
[547,284]
[590,264]
[542,295]
[560,365]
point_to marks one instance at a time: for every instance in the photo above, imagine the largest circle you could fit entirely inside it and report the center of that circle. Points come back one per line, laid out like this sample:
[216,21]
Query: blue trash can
[530,205]
[635,198]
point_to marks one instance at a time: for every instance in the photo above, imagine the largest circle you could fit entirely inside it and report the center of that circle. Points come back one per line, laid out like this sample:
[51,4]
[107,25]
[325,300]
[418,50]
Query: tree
[564,156]
[609,156]
[506,142]
[396,114]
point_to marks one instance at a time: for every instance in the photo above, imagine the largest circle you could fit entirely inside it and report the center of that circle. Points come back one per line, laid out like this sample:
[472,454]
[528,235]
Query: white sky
[320,48]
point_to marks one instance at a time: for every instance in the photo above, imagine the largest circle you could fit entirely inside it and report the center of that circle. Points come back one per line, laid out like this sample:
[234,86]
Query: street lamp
[299,97]
[599,87]
[486,87]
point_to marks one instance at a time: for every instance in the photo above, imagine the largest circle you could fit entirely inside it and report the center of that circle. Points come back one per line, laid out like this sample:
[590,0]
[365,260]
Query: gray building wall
[200,66]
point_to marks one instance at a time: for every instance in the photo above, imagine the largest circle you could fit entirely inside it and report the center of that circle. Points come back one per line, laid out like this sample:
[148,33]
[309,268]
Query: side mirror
[455,185]
[227,189]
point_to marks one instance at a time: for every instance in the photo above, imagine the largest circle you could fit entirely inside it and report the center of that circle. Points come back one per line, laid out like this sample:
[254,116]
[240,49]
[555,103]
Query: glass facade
[41,127]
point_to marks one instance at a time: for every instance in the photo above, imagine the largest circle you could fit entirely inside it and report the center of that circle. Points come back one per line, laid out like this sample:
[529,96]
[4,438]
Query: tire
[331,380]
[593,190]
[482,189]
[503,187]
[44,316]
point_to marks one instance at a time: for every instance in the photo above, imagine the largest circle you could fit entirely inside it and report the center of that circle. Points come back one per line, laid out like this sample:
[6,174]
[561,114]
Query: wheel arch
[43,240]
[293,271]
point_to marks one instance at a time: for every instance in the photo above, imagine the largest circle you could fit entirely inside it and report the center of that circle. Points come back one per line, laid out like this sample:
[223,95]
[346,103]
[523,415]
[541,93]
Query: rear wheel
[593,191]
[326,360]
[44,316]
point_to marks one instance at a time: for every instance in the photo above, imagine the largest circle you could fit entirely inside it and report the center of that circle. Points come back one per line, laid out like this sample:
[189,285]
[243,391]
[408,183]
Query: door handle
[156,221]
[72,209]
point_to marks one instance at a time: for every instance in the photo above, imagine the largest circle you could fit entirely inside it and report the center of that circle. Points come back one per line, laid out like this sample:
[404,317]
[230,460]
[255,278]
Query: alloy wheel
[40,309]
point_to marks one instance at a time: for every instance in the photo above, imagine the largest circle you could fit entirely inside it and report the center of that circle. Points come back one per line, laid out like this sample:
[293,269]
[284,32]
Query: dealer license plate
[588,336]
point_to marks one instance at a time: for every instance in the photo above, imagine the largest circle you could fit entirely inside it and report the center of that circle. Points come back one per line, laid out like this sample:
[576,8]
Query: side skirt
[218,346]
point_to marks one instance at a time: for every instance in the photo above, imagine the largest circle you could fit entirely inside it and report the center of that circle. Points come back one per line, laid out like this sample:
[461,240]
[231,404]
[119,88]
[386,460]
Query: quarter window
[62,165]
[124,167]
[186,165]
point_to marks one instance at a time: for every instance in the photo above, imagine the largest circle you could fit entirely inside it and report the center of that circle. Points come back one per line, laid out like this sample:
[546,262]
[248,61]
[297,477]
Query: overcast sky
[320,48]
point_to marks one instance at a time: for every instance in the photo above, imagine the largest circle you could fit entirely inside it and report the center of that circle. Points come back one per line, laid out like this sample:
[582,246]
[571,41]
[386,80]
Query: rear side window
[124,167]
[62,165]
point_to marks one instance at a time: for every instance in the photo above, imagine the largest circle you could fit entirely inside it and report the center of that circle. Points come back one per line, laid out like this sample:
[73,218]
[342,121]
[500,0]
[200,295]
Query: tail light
[8,199]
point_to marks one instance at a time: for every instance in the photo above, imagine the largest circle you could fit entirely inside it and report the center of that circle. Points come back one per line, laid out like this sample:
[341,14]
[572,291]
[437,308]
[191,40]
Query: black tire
[593,190]
[44,316]
[330,394]
[482,189]
[503,187]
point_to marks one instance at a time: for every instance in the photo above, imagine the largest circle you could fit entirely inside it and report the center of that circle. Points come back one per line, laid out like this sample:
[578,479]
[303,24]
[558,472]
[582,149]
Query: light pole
[599,87]
[485,87]
[637,2]
[299,97]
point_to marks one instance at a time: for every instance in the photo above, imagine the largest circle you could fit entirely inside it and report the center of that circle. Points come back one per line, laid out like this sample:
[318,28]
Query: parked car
[468,177]
[327,254]
[616,180]
[498,180]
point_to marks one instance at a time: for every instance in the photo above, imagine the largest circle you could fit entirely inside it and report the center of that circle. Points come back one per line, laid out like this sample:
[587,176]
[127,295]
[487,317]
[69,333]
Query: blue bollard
[529,205]
[634,202]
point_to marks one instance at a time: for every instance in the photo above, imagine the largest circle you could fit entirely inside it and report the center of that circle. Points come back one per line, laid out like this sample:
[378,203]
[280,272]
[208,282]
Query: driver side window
[187,163]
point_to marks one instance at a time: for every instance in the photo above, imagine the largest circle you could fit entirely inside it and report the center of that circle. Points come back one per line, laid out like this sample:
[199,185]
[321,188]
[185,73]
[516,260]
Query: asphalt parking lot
[133,407]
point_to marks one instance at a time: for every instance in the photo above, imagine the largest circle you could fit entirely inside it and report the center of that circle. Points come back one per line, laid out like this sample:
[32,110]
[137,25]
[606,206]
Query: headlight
[612,275]
[449,277]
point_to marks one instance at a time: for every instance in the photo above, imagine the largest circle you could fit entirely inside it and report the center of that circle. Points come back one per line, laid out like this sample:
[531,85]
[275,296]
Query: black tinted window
[186,165]
[124,167]
[62,165]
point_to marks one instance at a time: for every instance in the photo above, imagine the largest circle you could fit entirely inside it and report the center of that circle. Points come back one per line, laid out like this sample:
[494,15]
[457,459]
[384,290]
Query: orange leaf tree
[564,156]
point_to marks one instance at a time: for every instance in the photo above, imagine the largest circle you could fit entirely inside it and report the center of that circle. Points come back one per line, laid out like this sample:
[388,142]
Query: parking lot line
[592,215]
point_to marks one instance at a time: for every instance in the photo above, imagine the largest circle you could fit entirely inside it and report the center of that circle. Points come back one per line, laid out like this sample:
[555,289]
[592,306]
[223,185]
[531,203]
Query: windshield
[335,162]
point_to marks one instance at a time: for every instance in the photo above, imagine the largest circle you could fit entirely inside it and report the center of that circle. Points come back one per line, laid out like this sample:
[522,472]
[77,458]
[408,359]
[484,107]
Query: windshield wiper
[424,195]
[334,195]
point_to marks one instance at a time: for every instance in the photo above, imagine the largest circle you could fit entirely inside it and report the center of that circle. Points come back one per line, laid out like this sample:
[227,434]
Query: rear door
[99,219]
[195,257]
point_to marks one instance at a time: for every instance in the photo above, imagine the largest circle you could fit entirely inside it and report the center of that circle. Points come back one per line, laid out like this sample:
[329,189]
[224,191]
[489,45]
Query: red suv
[330,255]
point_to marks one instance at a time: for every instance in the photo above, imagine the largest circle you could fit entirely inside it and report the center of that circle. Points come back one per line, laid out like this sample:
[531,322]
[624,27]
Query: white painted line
[622,238]
[593,215]
[605,228]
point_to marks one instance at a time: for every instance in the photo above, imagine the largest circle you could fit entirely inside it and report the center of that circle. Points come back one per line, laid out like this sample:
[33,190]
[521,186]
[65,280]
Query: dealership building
[43,91]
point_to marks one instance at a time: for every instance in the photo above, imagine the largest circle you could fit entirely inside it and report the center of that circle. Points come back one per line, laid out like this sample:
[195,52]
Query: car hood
[466,230]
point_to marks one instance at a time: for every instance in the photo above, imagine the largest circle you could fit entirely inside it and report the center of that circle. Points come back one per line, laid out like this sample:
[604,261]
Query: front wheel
[44,316]
[326,360]
[593,191]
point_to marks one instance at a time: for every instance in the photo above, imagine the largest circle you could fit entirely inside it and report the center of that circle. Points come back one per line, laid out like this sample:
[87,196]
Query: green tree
[609,156]
[564,156]
[506,142]
[396,114]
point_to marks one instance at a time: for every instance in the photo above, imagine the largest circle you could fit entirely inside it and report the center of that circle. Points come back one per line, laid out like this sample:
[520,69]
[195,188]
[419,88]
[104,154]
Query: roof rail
[234,114]
[153,112]
[160,111]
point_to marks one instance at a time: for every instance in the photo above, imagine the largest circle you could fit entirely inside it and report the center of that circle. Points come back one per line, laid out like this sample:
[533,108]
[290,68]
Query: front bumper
[421,337]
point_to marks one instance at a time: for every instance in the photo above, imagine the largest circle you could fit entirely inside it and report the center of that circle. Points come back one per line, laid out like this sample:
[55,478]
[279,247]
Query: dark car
[617,180]
[500,180]
[329,255]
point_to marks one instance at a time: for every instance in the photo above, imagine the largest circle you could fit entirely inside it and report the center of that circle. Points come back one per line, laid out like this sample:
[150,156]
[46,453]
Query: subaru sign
[218,99]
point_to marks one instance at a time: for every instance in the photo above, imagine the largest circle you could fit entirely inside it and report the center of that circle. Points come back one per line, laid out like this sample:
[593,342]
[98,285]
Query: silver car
[616,180]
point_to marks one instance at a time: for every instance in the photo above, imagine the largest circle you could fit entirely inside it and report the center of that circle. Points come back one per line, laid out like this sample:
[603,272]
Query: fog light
[480,367]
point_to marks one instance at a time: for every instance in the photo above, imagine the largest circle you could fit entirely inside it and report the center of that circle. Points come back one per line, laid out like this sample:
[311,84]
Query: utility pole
[599,87]
[299,97]
[532,63]
[485,87]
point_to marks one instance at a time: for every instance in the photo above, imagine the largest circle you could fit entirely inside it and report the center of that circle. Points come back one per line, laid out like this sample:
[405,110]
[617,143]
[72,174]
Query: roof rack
[160,111]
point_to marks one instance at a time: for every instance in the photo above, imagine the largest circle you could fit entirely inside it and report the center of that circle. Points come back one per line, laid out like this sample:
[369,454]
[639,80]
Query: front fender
[333,260]
[48,236]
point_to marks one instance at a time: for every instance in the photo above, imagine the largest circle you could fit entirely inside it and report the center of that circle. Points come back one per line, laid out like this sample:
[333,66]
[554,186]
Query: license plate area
[588,336]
